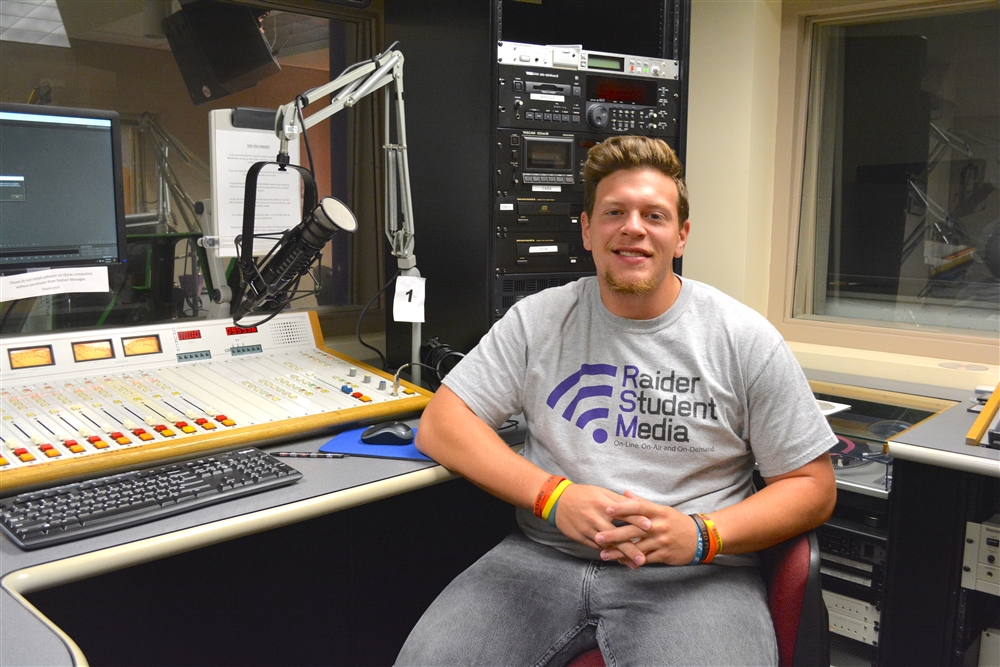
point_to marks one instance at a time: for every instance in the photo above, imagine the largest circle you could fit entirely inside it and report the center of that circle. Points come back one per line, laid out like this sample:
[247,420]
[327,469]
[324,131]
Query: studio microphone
[268,287]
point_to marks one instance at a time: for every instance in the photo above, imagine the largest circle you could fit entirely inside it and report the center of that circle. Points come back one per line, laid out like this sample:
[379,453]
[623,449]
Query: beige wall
[739,150]
[732,103]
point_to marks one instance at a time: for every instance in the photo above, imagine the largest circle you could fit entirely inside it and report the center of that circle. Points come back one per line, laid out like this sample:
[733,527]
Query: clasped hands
[627,528]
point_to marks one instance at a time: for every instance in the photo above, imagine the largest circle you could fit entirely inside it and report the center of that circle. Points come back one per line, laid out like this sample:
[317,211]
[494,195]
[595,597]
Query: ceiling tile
[14,8]
[54,39]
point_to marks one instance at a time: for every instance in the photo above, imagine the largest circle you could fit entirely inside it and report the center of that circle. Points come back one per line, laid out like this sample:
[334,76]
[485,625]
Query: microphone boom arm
[384,72]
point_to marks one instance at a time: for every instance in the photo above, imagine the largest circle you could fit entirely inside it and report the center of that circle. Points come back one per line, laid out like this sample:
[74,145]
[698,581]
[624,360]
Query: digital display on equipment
[548,154]
[605,62]
[31,357]
[239,331]
[61,187]
[93,350]
[629,91]
[193,334]
[139,345]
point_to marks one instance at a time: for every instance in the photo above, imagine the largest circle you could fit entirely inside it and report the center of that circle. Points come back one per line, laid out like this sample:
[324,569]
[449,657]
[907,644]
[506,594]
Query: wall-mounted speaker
[219,48]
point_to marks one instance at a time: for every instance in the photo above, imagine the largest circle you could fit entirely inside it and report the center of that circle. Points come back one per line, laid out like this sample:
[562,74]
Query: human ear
[682,235]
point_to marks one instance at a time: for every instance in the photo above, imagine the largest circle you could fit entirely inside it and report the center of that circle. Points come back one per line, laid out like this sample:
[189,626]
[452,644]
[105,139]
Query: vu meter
[31,357]
[139,345]
[93,350]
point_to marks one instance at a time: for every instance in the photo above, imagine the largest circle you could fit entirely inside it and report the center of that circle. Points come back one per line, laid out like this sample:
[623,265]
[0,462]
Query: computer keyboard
[82,509]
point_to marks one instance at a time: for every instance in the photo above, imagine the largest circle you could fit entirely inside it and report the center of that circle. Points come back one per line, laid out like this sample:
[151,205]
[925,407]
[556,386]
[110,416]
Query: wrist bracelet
[715,540]
[554,498]
[700,547]
[552,514]
[543,494]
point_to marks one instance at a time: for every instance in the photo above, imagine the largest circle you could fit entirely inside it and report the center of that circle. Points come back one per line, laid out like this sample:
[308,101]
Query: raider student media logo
[587,391]
[650,405]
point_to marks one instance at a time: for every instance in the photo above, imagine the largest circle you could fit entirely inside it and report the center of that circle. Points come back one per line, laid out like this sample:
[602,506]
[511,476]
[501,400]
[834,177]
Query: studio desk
[340,557]
[336,568]
[911,601]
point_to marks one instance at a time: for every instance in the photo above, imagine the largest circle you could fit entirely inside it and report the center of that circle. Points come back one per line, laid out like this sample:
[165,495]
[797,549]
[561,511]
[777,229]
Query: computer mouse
[387,433]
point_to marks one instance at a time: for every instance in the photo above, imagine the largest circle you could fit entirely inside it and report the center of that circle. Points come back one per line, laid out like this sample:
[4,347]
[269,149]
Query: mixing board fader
[79,404]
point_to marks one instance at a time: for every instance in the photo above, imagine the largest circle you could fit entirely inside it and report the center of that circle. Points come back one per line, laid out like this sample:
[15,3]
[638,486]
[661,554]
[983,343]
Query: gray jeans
[524,604]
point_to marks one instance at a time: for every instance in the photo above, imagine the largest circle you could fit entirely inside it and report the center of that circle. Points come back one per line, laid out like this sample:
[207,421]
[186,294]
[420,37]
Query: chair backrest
[795,598]
[591,658]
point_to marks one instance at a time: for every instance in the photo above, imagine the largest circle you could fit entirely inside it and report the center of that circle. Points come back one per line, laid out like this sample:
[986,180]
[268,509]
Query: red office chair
[795,597]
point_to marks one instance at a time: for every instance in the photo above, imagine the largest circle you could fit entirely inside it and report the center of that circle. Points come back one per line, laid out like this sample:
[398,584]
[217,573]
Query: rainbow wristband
[554,498]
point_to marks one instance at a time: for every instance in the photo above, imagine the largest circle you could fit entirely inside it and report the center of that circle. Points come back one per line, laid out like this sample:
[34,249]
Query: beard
[630,286]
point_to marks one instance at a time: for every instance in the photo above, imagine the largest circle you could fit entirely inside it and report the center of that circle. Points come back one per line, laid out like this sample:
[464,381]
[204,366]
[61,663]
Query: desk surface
[940,441]
[328,485]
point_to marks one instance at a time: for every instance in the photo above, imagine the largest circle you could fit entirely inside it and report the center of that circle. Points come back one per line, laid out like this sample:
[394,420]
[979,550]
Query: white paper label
[54,281]
[408,303]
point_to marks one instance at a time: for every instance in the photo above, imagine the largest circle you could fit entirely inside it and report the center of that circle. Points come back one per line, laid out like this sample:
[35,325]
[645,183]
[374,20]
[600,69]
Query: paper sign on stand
[408,303]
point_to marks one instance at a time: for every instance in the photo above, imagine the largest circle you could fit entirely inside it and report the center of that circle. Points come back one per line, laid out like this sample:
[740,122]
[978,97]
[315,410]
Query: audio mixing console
[86,403]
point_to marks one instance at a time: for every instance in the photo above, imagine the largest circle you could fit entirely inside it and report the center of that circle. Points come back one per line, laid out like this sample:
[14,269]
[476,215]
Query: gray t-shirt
[676,409]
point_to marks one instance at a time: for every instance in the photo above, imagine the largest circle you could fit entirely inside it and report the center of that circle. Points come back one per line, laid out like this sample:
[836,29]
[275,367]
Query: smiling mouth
[632,253]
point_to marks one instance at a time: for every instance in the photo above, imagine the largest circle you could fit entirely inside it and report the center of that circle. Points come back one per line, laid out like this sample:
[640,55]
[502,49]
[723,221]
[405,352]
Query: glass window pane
[900,223]
[117,61]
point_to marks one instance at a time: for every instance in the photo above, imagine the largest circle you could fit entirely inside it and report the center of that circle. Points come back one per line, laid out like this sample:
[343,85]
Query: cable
[10,309]
[305,135]
[507,425]
[262,322]
[361,317]
[437,353]
[408,364]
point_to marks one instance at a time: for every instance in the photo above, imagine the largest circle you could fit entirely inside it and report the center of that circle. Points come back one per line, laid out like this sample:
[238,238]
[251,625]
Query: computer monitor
[62,200]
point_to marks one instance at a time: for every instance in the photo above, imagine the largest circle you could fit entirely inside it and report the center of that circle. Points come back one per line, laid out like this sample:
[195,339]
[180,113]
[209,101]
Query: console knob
[597,115]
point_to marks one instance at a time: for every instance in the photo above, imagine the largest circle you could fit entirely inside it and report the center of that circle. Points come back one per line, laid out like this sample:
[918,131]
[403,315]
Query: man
[654,396]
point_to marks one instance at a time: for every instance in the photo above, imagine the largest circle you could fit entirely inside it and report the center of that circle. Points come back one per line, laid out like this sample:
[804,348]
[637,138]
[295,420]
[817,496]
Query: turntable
[862,428]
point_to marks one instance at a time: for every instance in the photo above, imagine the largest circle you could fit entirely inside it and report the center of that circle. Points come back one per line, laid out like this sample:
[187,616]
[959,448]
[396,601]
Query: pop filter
[337,213]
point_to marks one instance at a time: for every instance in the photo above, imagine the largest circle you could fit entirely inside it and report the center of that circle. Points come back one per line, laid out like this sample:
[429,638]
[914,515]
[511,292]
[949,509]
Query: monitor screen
[61,194]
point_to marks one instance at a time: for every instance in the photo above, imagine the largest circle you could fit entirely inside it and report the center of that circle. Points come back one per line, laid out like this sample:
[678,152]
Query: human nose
[633,224]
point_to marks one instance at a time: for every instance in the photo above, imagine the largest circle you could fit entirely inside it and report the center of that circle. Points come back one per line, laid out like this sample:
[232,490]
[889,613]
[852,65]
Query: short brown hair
[632,152]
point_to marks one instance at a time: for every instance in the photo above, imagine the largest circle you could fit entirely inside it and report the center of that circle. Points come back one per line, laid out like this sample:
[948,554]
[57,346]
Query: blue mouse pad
[349,442]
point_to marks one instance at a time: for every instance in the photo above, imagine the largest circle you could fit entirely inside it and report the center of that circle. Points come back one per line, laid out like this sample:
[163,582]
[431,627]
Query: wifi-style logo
[584,392]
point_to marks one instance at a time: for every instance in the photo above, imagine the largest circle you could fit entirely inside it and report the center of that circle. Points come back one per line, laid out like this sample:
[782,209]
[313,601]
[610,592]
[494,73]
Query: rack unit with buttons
[981,558]
[80,404]
[569,89]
